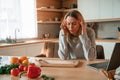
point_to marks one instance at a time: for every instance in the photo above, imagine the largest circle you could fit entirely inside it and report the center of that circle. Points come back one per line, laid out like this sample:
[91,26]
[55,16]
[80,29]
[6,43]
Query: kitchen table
[79,72]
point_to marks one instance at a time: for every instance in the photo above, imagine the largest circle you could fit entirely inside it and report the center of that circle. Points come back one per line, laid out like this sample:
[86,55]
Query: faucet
[16,30]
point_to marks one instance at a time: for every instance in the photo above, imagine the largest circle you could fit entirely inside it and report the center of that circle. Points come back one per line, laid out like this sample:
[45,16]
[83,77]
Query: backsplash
[51,29]
[103,30]
[108,29]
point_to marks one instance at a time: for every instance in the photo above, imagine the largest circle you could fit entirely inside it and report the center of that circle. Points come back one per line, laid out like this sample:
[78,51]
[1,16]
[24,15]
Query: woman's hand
[82,23]
[63,26]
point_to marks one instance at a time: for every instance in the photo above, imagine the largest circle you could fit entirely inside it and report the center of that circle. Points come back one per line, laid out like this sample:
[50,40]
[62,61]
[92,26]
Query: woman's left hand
[82,23]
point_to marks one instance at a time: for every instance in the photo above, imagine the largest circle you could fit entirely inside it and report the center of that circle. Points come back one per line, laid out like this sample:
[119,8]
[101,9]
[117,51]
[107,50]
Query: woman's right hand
[63,26]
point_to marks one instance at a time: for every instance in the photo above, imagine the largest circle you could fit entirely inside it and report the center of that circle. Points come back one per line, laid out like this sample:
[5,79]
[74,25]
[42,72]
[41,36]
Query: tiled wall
[52,29]
[108,29]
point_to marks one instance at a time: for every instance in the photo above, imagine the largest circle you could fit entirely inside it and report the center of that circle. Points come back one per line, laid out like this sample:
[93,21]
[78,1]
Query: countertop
[26,42]
[80,72]
[54,40]
[107,40]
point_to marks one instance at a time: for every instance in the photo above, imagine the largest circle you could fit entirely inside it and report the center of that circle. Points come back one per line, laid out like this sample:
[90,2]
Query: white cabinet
[105,10]
[89,8]
[99,9]
[116,6]
[28,50]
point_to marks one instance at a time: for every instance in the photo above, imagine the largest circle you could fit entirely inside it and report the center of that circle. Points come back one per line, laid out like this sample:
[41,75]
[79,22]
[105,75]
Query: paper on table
[58,63]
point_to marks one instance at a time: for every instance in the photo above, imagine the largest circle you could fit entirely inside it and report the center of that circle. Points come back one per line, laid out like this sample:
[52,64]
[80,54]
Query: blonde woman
[76,41]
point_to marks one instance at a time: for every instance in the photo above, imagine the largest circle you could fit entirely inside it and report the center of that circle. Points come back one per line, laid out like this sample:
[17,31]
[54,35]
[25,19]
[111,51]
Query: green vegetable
[7,68]
[47,78]
[0,70]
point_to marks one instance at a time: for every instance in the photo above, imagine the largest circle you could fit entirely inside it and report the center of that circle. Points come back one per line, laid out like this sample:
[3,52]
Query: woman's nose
[71,26]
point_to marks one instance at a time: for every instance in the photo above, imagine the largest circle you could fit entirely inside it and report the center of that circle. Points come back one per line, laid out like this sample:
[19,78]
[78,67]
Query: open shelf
[50,22]
[103,20]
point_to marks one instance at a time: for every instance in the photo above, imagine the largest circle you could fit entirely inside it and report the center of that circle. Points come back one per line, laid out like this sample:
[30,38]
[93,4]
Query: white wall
[108,48]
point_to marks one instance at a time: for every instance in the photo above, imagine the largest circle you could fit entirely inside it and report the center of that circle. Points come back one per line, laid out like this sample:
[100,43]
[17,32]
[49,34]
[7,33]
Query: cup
[56,19]
[46,35]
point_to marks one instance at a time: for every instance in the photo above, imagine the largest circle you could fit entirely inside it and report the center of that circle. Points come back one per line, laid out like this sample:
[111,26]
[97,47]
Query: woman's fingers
[63,24]
[82,23]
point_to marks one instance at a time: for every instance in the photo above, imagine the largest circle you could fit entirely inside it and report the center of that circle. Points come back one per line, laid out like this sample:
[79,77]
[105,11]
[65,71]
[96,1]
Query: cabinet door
[105,9]
[13,51]
[116,6]
[89,8]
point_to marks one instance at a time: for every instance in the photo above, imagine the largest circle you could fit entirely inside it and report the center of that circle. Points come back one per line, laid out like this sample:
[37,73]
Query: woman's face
[73,25]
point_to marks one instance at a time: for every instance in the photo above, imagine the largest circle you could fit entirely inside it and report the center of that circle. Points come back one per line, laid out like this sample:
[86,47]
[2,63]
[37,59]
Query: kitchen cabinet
[105,10]
[89,9]
[52,11]
[28,50]
[50,14]
[99,10]
[116,6]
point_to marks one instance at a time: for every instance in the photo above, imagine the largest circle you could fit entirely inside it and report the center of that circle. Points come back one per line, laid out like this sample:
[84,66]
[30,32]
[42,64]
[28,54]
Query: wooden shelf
[67,10]
[49,22]
[48,9]
[103,20]
[56,10]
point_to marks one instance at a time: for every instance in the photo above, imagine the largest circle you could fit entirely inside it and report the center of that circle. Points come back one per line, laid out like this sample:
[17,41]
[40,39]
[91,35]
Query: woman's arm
[89,46]
[63,48]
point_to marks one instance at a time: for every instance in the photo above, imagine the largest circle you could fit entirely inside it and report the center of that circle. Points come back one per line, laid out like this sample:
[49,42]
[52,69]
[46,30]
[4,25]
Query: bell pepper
[33,72]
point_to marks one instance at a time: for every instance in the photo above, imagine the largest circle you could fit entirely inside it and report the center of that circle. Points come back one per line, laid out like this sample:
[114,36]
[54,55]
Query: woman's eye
[74,23]
[68,23]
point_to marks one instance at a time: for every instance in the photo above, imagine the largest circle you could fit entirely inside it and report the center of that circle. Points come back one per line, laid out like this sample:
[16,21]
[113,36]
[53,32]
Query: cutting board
[58,63]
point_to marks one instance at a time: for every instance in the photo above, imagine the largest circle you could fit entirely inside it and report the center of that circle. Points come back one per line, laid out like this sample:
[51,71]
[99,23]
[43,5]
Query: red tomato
[21,67]
[14,71]
[25,68]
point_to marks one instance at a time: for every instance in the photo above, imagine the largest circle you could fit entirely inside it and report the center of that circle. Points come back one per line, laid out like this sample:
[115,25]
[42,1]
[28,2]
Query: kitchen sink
[18,42]
[12,41]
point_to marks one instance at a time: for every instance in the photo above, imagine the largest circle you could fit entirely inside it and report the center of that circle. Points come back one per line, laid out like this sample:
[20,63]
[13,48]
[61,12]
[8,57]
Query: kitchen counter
[80,72]
[54,40]
[108,40]
[35,41]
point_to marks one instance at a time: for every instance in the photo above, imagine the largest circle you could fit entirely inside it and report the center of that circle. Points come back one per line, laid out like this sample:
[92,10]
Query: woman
[76,41]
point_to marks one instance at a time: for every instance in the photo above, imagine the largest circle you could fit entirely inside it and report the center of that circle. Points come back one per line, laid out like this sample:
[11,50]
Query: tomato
[14,71]
[21,67]
[25,68]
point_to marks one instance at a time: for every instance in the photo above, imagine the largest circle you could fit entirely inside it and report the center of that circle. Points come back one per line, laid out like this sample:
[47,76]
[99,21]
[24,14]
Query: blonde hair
[77,15]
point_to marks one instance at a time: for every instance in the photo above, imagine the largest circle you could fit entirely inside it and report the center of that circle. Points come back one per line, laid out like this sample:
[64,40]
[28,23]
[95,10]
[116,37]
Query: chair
[100,52]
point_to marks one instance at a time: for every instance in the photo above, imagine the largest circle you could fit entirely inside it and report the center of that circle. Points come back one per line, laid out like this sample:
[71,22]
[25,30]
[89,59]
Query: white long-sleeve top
[84,46]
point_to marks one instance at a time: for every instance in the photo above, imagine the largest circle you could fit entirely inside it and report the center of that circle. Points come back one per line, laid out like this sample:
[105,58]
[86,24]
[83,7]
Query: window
[19,16]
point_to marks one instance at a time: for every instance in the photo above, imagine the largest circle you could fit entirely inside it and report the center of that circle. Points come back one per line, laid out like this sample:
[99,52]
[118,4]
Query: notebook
[112,64]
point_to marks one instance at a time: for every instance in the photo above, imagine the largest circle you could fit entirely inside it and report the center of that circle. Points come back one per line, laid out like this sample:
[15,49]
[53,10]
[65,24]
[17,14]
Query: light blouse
[82,47]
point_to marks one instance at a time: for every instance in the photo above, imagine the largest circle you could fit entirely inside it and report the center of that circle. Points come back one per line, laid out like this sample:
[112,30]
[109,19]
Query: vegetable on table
[7,68]
[46,77]
[15,72]
[32,71]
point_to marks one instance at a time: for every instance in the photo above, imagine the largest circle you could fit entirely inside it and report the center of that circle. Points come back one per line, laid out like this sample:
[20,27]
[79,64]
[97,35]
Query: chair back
[100,52]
